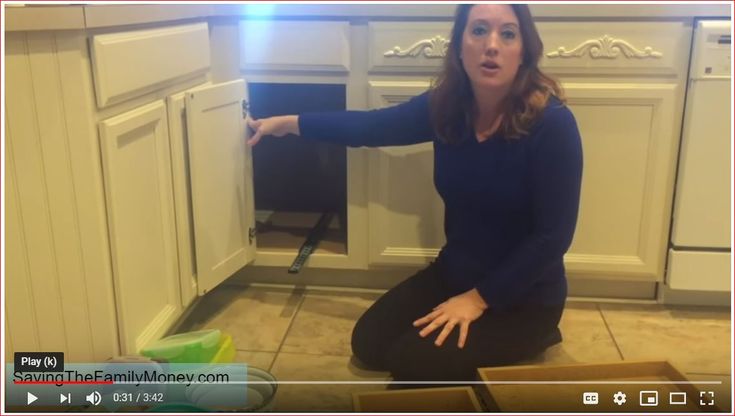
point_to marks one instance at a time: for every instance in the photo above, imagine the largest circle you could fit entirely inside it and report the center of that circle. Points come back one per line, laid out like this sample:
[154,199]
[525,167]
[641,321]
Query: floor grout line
[317,354]
[609,331]
[302,290]
[320,354]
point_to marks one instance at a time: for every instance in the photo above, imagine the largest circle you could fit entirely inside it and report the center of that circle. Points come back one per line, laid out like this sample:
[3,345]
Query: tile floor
[300,334]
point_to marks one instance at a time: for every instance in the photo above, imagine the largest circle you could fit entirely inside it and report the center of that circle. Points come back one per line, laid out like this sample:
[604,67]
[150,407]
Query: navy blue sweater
[510,205]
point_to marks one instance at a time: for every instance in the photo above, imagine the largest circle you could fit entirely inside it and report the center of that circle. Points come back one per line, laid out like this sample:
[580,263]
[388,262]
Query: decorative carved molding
[605,47]
[433,48]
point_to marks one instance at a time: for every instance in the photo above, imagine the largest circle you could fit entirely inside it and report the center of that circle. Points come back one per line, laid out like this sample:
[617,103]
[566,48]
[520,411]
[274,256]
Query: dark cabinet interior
[297,182]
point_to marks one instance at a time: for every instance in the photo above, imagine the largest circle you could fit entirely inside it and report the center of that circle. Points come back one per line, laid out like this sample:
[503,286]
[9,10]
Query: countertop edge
[81,17]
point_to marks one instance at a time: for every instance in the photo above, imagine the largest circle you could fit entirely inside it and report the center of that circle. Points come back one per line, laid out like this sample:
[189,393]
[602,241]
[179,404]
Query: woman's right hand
[277,126]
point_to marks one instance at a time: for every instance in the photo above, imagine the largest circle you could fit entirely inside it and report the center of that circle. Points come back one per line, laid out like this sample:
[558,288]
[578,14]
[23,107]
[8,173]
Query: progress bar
[585,382]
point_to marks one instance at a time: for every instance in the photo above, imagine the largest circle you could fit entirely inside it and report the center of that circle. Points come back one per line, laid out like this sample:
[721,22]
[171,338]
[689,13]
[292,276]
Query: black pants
[385,339]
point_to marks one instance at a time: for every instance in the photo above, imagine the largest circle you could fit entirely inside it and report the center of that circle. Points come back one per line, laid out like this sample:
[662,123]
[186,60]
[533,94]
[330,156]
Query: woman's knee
[366,345]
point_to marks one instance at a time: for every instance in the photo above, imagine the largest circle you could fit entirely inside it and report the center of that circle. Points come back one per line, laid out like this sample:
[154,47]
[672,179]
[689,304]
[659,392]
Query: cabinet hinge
[245,108]
[251,234]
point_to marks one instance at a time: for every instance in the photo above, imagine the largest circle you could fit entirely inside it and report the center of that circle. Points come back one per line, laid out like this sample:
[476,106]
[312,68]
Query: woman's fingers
[277,126]
[448,327]
[255,138]
[436,323]
[464,329]
[427,318]
[254,125]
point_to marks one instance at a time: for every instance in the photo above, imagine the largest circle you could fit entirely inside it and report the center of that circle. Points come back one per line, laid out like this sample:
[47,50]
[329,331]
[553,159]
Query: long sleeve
[402,124]
[556,176]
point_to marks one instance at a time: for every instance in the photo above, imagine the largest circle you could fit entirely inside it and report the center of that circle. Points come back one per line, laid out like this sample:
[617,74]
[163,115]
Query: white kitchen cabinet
[77,298]
[166,252]
[623,219]
[59,288]
[624,82]
[137,170]
[206,225]
[629,134]
[628,123]
[405,213]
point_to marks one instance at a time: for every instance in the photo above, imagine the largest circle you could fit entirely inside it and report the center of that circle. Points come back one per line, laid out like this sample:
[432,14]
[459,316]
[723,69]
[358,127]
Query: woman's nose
[491,45]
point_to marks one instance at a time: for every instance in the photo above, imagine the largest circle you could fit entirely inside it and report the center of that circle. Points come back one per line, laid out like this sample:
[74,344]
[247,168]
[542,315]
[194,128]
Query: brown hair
[452,100]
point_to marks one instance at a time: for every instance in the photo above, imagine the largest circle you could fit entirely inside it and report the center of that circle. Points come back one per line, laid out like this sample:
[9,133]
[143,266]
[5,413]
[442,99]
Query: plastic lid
[175,345]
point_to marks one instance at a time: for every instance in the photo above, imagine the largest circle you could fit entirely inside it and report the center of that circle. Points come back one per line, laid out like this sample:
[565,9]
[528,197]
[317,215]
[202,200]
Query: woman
[508,166]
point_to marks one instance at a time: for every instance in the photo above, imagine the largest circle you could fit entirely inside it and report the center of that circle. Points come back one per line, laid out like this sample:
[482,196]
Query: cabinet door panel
[221,182]
[179,138]
[405,227]
[629,136]
[137,174]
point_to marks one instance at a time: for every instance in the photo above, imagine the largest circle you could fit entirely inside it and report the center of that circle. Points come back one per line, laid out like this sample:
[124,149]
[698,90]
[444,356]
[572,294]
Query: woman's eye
[479,31]
[508,34]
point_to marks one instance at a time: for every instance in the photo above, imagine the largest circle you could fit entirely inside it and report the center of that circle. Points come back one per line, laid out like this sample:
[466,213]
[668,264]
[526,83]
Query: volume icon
[95,398]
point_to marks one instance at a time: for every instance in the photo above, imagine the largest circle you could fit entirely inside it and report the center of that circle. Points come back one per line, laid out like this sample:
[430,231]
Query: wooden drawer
[615,48]
[407,46]
[295,45]
[441,399]
[131,64]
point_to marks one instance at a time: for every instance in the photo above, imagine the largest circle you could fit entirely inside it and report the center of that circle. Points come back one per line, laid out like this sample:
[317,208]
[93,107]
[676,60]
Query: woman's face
[492,48]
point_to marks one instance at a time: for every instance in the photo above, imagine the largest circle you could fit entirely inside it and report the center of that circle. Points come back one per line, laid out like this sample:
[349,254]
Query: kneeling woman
[508,166]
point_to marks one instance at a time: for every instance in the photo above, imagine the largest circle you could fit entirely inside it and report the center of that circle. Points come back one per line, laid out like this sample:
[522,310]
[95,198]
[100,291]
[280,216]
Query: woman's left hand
[458,310]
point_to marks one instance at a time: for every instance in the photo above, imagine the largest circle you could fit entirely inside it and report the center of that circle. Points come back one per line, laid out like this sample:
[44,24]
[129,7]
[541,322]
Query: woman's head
[490,47]
[494,48]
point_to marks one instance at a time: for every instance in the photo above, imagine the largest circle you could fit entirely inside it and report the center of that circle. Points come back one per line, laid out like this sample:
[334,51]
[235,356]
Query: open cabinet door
[221,182]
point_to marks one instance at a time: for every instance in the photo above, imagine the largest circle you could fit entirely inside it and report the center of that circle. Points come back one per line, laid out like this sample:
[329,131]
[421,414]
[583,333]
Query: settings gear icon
[619,398]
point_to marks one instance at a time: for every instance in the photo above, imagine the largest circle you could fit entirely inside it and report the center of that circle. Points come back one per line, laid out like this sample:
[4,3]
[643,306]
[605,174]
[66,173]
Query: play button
[31,398]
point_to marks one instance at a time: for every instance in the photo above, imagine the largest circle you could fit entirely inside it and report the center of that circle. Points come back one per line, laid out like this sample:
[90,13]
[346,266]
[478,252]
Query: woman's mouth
[490,68]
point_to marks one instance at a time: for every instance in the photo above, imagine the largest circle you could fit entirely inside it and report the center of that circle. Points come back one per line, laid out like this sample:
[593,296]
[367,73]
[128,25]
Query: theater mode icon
[590,397]
[677,397]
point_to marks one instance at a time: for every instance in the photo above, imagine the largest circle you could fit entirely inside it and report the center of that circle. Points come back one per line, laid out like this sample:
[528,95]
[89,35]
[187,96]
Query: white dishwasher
[699,258]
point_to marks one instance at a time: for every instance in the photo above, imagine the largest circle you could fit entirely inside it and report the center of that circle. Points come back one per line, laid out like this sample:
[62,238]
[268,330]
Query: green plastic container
[188,347]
